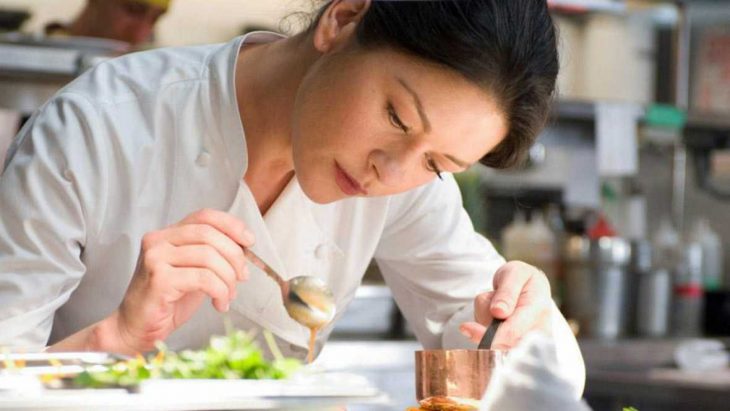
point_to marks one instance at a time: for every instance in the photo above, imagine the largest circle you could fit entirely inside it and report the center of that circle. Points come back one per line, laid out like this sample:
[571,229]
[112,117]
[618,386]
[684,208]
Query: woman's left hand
[521,297]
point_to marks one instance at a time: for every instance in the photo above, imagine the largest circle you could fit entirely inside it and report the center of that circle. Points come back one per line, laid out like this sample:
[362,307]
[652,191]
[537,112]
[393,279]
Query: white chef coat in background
[141,141]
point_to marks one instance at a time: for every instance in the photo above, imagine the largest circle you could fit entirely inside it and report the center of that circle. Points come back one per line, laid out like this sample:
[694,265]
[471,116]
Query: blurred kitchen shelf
[718,122]
[585,110]
[372,314]
[33,69]
[38,60]
[587,6]
[566,109]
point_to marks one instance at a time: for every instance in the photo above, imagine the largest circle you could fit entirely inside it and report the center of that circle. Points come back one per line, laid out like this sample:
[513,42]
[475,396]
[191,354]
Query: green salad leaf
[234,356]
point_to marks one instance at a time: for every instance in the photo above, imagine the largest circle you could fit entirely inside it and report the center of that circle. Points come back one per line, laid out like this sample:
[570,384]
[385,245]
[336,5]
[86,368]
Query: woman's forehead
[449,101]
[463,118]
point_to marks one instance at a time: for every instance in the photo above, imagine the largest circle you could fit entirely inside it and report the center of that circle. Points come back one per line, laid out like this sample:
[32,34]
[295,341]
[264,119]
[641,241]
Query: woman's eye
[395,120]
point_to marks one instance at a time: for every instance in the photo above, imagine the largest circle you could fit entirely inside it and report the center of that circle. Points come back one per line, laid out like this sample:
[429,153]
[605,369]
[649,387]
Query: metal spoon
[308,300]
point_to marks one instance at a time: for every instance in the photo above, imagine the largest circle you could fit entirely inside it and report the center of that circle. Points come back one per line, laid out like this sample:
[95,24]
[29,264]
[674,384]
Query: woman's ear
[337,24]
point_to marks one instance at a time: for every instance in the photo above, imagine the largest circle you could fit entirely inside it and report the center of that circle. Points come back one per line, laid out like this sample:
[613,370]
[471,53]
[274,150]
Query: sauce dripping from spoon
[312,340]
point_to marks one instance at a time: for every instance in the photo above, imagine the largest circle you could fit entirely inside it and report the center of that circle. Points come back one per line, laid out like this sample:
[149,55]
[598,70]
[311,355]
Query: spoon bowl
[308,300]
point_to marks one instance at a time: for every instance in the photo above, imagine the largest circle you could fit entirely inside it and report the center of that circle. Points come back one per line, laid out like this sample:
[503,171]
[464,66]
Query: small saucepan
[459,376]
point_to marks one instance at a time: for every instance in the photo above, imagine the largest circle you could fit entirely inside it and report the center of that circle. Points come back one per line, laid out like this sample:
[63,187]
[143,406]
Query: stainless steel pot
[596,286]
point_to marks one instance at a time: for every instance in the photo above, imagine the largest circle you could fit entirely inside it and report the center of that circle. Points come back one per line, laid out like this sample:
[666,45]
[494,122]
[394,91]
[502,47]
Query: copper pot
[455,373]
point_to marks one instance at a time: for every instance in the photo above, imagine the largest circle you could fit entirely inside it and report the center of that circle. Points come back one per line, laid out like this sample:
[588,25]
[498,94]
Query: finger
[191,234]
[223,222]
[509,282]
[482,305]
[473,331]
[189,279]
[204,256]
[522,321]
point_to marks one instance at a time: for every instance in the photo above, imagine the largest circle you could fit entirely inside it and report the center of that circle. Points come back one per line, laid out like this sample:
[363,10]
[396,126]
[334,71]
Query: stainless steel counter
[636,373]
[641,373]
[389,365]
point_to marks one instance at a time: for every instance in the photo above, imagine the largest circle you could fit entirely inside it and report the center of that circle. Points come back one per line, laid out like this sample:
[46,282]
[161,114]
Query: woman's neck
[267,80]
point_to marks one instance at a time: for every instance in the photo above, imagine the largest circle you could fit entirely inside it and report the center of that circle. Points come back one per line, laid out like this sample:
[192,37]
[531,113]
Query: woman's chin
[320,195]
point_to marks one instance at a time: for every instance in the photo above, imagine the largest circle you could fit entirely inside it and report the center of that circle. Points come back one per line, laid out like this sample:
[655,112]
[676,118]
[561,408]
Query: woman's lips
[347,184]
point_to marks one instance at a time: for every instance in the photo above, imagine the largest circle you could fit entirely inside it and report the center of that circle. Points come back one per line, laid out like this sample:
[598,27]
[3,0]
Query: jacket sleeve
[436,264]
[48,192]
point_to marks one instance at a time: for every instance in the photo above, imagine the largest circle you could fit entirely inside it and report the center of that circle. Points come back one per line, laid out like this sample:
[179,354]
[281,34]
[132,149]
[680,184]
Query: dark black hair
[508,47]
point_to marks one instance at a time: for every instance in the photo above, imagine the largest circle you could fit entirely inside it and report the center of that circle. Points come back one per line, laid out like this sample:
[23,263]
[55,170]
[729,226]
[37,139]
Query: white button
[203,159]
[68,174]
[321,251]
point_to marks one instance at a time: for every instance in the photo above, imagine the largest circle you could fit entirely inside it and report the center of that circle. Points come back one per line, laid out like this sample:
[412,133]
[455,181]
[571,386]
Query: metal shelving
[584,6]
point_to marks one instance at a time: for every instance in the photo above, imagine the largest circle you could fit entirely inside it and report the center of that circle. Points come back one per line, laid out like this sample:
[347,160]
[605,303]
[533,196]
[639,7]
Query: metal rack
[32,68]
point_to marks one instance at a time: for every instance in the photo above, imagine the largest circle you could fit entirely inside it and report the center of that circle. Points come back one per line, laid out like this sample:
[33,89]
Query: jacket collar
[288,237]
[222,111]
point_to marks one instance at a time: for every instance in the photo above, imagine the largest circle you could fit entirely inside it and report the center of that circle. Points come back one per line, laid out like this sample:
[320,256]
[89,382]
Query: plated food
[234,356]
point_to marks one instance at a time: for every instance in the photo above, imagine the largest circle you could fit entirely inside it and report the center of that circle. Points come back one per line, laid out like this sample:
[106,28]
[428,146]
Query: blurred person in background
[130,21]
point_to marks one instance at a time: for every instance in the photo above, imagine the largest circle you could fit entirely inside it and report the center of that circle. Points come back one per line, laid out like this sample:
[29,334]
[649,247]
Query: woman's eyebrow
[419,107]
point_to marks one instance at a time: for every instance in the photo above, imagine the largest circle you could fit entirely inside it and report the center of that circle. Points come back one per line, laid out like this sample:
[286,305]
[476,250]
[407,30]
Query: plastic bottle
[532,243]
[666,243]
[688,293]
[557,227]
[712,253]
[601,228]
[635,227]
[514,237]
[542,251]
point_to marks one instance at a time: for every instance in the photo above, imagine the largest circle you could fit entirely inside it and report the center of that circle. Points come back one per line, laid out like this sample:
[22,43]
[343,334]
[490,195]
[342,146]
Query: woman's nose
[388,167]
[393,165]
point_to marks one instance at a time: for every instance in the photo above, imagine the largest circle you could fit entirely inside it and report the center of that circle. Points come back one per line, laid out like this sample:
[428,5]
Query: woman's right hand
[177,268]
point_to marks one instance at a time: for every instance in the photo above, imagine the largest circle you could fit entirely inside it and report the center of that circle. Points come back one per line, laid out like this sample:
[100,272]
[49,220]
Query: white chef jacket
[141,141]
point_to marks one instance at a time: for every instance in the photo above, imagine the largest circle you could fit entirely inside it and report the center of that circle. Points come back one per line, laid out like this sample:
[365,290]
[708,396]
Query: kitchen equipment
[323,391]
[688,293]
[596,284]
[33,68]
[701,354]
[372,314]
[712,253]
[654,292]
[11,20]
[717,312]
[56,363]
[460,375]
[308,300]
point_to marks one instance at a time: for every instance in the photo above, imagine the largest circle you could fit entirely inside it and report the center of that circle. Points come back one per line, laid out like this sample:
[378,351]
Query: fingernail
[501,306]
[248,236]
[465,332]
[227,307]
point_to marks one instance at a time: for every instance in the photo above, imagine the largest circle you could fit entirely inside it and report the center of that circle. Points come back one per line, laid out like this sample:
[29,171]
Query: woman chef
[125,200]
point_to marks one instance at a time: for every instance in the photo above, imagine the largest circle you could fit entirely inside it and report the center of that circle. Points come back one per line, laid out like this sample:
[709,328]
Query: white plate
[302,385]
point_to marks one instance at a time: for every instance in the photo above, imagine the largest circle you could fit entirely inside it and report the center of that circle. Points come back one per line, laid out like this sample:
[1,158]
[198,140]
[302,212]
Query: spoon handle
[258,262]
[486,342]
